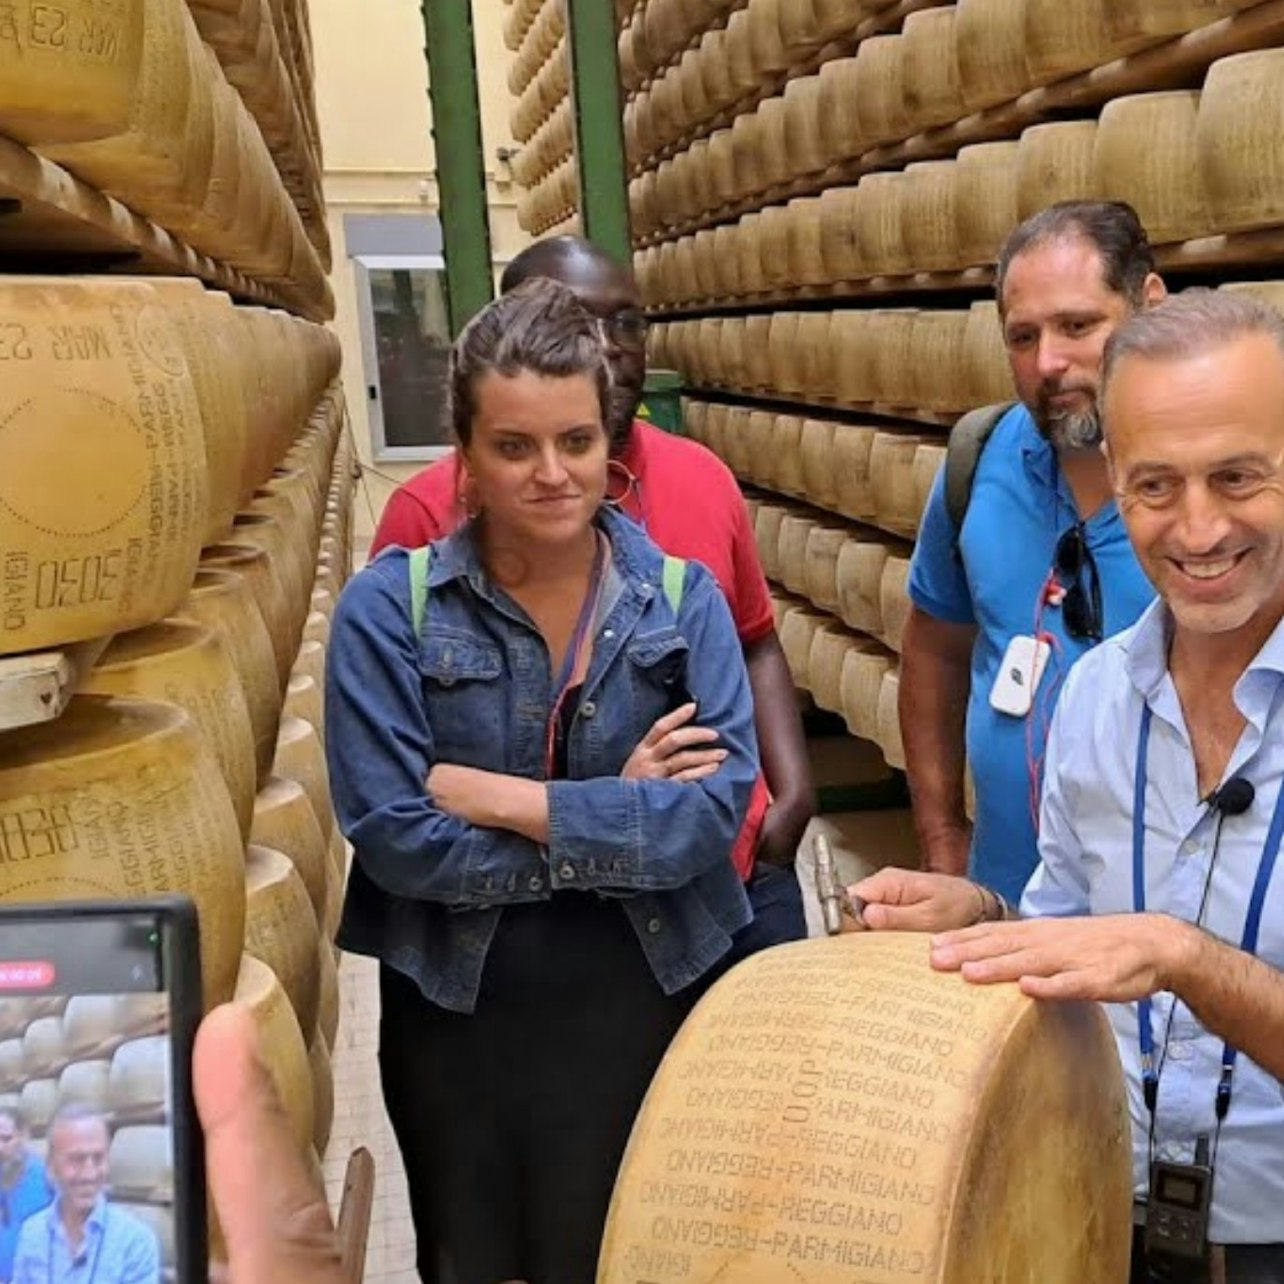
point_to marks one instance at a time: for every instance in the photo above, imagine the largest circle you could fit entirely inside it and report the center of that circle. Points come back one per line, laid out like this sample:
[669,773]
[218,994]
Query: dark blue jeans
[778,915]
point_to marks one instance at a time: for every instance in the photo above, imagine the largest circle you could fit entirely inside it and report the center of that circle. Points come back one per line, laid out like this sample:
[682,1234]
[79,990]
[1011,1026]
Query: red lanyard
[576,652]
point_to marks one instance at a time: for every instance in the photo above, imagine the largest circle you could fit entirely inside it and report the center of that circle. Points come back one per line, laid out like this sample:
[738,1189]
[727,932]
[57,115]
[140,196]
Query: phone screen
[87,1101]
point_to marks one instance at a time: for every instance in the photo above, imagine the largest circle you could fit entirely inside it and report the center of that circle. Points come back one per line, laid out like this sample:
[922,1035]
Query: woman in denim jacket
[542,834]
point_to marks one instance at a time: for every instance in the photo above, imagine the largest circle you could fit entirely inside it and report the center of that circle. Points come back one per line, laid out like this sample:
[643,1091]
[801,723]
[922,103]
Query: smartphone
[101,1161]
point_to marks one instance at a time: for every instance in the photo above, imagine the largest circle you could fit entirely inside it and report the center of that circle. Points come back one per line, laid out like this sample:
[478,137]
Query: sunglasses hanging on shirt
[1077,570]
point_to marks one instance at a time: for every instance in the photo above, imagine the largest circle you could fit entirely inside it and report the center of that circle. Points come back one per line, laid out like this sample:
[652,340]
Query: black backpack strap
[962,455]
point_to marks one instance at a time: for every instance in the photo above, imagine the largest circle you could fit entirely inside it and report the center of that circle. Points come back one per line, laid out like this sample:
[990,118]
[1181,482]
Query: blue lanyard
[1252,924]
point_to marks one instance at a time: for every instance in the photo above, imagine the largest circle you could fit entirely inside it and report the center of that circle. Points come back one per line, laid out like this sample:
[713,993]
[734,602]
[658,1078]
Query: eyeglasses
[627,327]
[1081,606]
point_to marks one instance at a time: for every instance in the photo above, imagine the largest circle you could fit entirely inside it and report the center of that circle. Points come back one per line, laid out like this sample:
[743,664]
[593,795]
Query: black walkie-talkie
[1177,1213]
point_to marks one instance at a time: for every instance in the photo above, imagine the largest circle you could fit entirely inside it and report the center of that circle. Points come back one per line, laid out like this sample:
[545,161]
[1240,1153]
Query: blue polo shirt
[1019,509]
[29,1194]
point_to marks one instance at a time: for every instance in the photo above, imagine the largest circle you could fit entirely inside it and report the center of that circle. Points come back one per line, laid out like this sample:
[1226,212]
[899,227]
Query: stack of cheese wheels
[989,44]
[139,1075]
[259,572]
[284,820]
[1055,163]
[118,798]
[861,687]
[893,599]
[859,575]
[889,721]
[890,1123]
[188,665]
[281,929]
[103,493]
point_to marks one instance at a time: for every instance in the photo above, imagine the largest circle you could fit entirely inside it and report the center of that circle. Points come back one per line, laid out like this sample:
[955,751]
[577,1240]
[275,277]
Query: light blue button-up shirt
[117,1249]
[1085,848]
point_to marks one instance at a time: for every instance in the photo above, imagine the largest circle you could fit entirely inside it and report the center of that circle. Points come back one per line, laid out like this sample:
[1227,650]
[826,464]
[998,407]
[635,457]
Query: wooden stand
[37,686]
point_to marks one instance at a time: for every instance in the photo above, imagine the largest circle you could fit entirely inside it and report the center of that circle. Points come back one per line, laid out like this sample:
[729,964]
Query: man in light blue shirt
[24,1187]
[1157,890]
[80,1238]
[1041,552]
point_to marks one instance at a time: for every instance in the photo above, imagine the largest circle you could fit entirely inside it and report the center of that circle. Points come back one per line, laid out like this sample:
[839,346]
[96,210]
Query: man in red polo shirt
[688,502]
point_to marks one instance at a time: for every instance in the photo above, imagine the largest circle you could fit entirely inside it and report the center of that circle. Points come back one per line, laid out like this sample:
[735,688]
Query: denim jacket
[474,689]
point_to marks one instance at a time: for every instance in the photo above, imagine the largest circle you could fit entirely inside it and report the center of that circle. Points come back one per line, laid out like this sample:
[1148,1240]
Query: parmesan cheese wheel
[771,518]
[731,351]
[334,889]
[937,379]
[738,441]
[884,1113]
[726,262]
[223,602]
[989,44]
[840,243]
[11,1063]
[840,137]
[140,1163]
[859,576]
[749,269]
[1146,20]
[985,357]
[260,574]
[769,53]
[281,928]
[55,89]
[327,994]
[794,532]
[758,351]
[103,495]
[281,1045]
[851,451]
[139,1076]
[861,686]
[1054,163]
[1062,39]
[741,68]
[932,92]
[893,356]
[759,448]
[773,226]
[889,722]
[37,1101]
[747,143]
[708,361]
[797,630]
[815,375]
[322,1092]
[782,603]
[715,74]
[285,821]
[715,429]
[784,466]
[893,599]
[805,242]
[880,90]
[44,1049]
[784,368]
[803,142]
[829,644]
[820,572]
[694,415]
[891,468]
[722,167]
[930,192]
[187,665]
[1240,136]
[880,215]
[121,798]
[985,197]
[706,262]
[929,459]
[299,756]
[816,458]
[92,1020]
[1145,153]
[853,356]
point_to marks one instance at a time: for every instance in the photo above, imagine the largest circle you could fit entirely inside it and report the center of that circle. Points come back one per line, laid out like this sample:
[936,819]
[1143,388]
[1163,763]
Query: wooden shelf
[1172,64]
[51,221]
[36,687]
[896,416]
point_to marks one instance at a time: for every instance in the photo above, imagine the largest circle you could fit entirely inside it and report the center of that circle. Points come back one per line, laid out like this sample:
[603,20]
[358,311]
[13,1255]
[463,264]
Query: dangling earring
[466,495]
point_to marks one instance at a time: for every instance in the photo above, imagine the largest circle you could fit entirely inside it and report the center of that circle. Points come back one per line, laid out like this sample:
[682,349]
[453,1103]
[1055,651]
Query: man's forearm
[782,748]
[1236,996]
[933,713]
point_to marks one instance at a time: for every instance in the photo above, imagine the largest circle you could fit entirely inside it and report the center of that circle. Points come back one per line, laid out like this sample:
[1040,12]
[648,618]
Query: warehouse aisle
[360,1120]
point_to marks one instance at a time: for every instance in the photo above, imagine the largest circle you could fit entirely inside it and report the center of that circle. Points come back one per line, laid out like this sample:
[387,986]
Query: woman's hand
[490,799]
[669,751]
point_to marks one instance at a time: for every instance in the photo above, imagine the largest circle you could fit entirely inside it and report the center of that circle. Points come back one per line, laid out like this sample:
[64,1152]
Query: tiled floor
[360,1120]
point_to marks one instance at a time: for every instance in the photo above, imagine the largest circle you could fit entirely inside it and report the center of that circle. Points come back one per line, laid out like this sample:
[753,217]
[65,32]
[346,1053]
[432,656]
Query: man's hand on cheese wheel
[1115,958]
[908,900]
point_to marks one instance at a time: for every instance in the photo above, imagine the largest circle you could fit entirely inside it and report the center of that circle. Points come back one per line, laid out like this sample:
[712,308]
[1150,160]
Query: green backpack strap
[674,578]
[417,564]
[962,455]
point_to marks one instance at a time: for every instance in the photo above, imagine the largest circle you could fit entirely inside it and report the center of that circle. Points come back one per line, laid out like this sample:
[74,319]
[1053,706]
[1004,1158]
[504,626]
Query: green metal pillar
[599,136]
[461,171]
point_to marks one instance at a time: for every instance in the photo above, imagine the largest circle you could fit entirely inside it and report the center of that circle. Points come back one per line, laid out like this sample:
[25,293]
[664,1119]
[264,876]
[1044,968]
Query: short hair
[1112,228]
[540,327]
[75,1112]
[544,258]
[1190,324]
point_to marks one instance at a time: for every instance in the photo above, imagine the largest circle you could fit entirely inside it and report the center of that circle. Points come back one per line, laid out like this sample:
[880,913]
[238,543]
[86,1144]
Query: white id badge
[1019,676]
